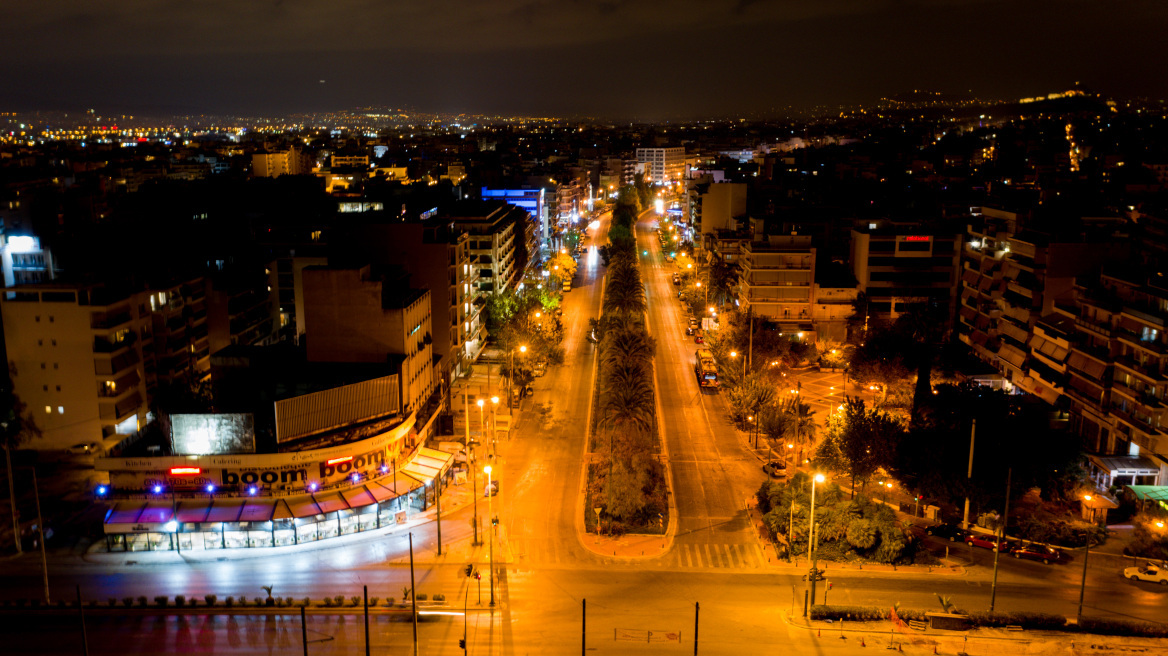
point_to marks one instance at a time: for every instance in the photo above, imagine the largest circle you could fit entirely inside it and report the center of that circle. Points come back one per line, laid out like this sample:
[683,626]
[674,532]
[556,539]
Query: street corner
[628,547]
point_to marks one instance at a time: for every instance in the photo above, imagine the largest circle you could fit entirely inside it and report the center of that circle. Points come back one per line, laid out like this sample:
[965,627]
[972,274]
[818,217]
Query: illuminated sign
[335,461]
[917,238]
[185,471]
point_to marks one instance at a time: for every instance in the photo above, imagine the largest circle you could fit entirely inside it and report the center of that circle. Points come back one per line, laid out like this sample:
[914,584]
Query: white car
[1146,573]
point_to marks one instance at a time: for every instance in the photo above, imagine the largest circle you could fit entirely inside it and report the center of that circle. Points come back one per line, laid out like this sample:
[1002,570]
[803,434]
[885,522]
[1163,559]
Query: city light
[157,489]
[210,488]
[101,490]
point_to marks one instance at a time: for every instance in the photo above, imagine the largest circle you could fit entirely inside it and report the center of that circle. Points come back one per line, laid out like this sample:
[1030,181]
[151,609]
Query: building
[534,201]
[76,355]
[902,266]
[1117,375]
[239,307]
[712,207]
[293,161]
[571,201]
[776,282]
[437,257]
[496,241]
[24,261]
[668,164]
[356,315]
[180,343]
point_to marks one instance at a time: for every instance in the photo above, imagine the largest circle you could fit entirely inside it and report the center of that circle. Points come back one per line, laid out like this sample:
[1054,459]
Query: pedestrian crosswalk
[714,556]
[682,556]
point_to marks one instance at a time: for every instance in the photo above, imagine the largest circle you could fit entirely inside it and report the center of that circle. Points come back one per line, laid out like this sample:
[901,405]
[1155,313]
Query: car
[676,279]
[567,285]
[984,541]
[775,469]
[83,449]
[669,258]
[1033,551]
[949,530]
[1148,572]
[698,337]
[491,490]
[539,369]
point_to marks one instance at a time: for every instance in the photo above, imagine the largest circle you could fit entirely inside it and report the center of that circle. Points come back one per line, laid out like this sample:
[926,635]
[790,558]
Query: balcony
[104,346]
[110,321]
[1135,339]
[1147,369]
[1137,421]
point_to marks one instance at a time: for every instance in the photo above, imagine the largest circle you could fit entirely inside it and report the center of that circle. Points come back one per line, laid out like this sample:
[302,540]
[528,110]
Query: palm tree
[631,401]
[803,423]
[627,341]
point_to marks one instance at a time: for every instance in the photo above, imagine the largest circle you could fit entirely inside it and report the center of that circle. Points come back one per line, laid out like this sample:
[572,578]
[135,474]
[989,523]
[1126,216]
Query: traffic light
[477,575]
[462,643]
[469,569]
[494,521]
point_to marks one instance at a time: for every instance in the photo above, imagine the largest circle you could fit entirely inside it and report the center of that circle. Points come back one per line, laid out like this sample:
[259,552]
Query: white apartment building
[668,164]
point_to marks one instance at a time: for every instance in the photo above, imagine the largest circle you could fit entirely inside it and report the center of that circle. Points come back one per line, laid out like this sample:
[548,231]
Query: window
[48,409]
[50,318]
[40,342]
[60,409]
[58,388]
[56,366]
[54,342]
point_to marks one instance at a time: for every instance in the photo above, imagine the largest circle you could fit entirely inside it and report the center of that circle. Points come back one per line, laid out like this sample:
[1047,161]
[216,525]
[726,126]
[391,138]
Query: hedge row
[1026,620]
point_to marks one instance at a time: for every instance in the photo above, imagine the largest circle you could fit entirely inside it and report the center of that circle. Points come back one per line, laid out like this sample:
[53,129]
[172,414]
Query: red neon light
[185,471]
[917,238]
[337,460]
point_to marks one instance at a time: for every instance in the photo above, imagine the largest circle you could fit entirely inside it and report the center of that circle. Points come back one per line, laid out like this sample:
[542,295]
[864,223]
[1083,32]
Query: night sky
[645,59]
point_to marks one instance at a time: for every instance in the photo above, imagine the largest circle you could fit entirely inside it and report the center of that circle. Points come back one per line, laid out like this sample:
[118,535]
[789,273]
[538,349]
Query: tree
[624,490]
[859,442]
[16,428]
[561,267]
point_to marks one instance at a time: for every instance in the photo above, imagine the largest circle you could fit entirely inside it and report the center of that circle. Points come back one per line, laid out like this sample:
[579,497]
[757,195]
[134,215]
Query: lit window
[60,409]
[48,409]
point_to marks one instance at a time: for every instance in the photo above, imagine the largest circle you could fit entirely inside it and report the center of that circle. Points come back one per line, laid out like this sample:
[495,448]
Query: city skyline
[648,61]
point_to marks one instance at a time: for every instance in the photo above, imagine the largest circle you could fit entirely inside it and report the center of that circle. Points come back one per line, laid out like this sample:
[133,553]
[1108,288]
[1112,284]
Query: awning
[125,512]
[1012,355]
[330,502]
[157,512]
[282,510]
[379,492]
[970,276]
[1089,366]
[303,507]
[358,497]
[193,512]
[1149,492]
[258,510]
[1127,466]
[1048,348]
[226,510]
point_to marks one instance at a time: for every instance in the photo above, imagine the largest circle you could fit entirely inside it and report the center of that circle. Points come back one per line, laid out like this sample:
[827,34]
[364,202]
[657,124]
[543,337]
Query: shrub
[114,602]
[339,600]
[389,602]
[849,613]
[439,597]
[259,601]
[180,600]
[210,599]
[1041,621]
[127,601]
[421,597]
[142,601]
[161,600]
[92,603]
[328,602]
[1120,627]
[356,601]
[229,601]
[373,600]
[306,602]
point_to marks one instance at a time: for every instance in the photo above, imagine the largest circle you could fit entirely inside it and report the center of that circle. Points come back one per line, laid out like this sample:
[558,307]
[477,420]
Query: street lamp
[734,354]
[811,551]
[494,426]
[1086,554]
[511,377]
[491,531]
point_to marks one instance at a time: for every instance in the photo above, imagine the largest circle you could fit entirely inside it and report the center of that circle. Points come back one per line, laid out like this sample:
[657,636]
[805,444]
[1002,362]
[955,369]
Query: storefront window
[212,537]
[385,511]
[367,520]
[306,530]
[259,538]
[285,532]
[349,521]
[115,542]
[326,526]
[235,535]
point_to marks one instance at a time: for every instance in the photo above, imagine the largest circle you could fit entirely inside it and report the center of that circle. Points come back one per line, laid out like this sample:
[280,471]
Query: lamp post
[511,377]
[1083,581]
[734,354]
[491,530]
[494,426]
[811,551]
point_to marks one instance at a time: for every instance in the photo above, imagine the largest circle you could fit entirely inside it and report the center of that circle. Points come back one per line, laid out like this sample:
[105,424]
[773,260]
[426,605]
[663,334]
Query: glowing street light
[811,551]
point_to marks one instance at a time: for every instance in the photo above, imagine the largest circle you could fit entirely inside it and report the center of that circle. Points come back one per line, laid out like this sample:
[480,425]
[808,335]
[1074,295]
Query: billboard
[212,434]
[314,413]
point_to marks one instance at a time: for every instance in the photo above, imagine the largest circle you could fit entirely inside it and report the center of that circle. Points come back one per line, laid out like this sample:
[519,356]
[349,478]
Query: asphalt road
[715,560]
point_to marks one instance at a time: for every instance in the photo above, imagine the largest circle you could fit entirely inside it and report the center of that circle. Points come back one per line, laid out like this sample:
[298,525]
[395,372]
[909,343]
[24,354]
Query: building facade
[668,164]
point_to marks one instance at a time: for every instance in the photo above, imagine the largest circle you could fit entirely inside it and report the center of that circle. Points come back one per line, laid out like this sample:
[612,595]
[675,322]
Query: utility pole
[583,627]
[413,595]
[365,593]
[1001,539]
[697,609]
[41,527]
[438,509]
[749,339]
[12,498]
[85,636]
[969,476]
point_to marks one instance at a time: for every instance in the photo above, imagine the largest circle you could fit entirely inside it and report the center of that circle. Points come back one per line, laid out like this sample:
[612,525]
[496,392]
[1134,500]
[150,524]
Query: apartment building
[1118,375]
[357,315]
[496,234]
[714,206]
[901,266]
[23,260]
[437,257]
[532,199]
[240,311]
[293,161]
[776,281]
[76,355]
[180,343]
[667,164]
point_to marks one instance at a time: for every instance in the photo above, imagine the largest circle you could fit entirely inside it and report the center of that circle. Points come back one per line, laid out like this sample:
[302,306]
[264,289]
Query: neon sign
[185,471]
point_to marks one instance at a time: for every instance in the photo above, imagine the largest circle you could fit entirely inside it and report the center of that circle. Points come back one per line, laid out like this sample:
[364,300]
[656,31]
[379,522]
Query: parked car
[1148,572]
[775,469]
[676,279]
[83,449]
[951,531]
[1033,551]
[698,337]
[539,369]
[984,541]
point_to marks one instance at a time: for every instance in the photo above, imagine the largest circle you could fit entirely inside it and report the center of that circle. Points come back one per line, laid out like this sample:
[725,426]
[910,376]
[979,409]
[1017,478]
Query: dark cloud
[613,57]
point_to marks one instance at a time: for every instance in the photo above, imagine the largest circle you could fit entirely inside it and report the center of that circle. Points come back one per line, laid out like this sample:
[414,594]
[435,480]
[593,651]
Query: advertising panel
[314,413]
[206,434]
